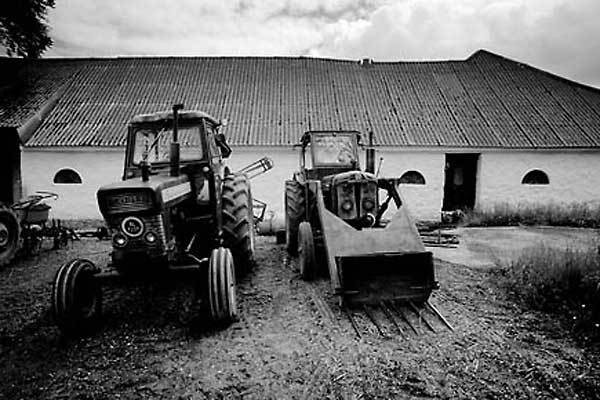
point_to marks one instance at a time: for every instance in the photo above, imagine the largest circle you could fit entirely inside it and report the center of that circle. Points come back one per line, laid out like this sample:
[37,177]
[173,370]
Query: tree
[23,28]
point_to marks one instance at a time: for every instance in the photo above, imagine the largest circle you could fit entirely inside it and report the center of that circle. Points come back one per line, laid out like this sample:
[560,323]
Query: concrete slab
[485,247]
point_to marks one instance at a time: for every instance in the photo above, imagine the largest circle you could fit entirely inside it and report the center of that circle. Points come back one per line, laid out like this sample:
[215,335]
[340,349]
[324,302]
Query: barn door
[460,181]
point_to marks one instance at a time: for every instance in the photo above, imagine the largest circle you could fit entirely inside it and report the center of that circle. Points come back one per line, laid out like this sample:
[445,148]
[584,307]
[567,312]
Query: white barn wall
[573,178]
[424,202]
[96,168]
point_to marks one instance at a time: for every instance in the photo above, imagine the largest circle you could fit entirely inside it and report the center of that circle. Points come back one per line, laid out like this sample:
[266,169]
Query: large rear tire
[238,221]
[294,213]
[306,252]
[76,297]
[10,233]
[222,301]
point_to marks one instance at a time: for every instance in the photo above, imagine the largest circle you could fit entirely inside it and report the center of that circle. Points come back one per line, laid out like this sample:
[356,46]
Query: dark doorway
[460,182]
[10,166]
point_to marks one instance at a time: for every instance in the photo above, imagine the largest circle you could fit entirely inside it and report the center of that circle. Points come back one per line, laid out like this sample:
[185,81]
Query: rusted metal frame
[421,317]
[401,314]
[352,321]
[439,315]
[373,320]
[390,316]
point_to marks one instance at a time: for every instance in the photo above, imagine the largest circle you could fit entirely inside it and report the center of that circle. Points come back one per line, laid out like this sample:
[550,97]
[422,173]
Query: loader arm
[257,168]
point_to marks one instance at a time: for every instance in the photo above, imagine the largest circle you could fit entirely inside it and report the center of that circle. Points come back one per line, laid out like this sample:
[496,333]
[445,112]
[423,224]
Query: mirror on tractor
[223,146]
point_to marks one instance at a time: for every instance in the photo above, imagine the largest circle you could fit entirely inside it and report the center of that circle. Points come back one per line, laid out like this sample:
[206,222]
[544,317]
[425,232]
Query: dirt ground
[291,341]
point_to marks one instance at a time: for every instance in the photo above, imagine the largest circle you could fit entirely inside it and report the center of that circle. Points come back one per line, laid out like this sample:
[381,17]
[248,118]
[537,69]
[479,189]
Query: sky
[560,36]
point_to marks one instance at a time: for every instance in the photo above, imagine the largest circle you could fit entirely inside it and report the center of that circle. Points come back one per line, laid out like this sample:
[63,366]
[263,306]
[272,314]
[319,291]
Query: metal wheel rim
[301,253]
[252,234]
[232,296]
[4,235]
[87,299]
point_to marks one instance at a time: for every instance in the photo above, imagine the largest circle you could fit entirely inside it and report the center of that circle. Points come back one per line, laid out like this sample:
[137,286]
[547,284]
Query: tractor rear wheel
[294,213]
[306,252]
[10,233]
[238,221]
[221,286]
[76,297]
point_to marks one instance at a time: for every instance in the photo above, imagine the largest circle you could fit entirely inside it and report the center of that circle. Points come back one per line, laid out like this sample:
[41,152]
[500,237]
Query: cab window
[153,144]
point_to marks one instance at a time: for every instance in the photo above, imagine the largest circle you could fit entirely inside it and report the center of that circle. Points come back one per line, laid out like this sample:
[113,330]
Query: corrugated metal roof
[484,101]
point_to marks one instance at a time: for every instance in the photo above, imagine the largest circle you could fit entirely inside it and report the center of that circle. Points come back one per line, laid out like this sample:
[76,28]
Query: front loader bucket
[375,264]
[372,278]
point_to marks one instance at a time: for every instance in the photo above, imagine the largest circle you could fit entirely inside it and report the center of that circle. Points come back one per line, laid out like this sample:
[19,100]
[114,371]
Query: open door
[460,181]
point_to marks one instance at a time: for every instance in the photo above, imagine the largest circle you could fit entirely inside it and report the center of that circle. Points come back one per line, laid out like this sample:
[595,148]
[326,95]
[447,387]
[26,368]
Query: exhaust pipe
[370,167]
[174,149]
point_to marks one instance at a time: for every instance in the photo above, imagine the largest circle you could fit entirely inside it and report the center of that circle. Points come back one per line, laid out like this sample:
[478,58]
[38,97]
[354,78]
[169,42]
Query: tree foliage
[23,28]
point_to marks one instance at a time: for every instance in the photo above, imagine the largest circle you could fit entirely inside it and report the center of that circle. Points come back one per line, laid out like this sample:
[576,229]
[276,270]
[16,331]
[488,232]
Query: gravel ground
[291,341]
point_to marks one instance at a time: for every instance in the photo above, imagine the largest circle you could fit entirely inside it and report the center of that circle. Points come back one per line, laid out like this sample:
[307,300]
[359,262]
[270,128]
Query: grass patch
[581,215]
[559,281]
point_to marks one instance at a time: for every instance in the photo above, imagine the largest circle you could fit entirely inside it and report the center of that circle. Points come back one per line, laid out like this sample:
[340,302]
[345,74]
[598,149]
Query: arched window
[535,177]
[412,177]
[67,175]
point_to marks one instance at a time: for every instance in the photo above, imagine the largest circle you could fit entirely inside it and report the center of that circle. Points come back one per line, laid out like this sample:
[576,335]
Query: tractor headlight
[368,204]
[347,205]
[132,226]
[150,237]
[119,240]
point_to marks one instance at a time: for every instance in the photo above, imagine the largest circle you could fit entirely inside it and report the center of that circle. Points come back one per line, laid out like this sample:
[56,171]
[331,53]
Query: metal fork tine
[439,315]
[353,322]
[389,315]
[400,313]
[421,317]
[373,320]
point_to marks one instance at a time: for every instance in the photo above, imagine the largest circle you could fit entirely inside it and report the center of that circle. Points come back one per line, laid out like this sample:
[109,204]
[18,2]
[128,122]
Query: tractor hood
[135,195]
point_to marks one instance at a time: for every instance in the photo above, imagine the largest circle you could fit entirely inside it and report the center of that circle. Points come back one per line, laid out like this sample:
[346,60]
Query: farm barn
[460,134]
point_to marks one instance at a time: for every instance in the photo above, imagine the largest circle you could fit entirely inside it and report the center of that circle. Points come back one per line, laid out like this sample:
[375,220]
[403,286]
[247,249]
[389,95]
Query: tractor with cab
[335,216]
[178,212]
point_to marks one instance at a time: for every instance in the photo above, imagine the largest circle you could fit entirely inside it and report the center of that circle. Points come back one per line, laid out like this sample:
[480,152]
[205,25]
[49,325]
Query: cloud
[556,35]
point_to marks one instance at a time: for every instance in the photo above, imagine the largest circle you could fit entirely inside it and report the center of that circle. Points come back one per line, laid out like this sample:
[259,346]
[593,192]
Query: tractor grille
[152,223]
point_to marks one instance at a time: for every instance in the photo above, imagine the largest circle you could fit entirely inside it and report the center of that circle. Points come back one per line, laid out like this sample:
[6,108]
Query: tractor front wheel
[306,252]
[221,286]
[238,221]
[76,297]
[294,213]
[10,232]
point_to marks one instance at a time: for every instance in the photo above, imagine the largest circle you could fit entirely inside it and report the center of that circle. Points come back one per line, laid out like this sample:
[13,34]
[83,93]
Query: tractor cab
[332,158]
[149,142]
[329,153]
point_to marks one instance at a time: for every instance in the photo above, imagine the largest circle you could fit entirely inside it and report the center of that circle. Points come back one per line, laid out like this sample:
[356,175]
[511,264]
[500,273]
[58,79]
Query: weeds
[580,215]
[559,281]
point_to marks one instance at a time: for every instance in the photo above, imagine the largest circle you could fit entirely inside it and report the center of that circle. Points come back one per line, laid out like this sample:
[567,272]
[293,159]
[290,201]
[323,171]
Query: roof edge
[552,75]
